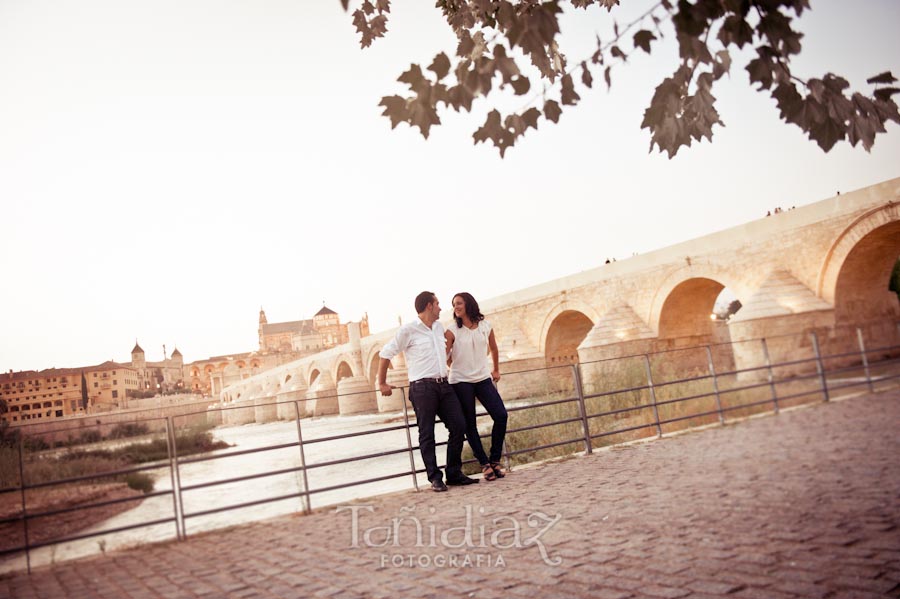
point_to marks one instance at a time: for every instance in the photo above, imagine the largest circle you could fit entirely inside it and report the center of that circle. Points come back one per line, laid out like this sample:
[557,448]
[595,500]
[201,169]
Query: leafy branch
[490,34]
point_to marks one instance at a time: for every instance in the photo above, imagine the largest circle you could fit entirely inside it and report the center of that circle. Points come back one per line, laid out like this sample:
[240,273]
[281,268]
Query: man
[429,392]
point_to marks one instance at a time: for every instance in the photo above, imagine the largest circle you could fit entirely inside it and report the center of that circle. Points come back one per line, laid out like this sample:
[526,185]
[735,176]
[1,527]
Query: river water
[222,495]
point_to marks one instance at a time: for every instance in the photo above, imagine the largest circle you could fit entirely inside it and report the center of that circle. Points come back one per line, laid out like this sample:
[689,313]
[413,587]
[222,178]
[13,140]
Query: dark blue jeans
[487,394]
[430,399]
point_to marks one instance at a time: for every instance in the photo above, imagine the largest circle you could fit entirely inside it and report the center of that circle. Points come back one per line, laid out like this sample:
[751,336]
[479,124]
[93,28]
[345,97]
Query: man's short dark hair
[422,301]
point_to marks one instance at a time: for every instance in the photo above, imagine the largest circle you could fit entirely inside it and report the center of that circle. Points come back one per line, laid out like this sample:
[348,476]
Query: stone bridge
[815,268]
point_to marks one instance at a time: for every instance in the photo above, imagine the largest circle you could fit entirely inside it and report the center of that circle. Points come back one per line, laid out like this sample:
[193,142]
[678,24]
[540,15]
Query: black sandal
[498,472]
[488,471]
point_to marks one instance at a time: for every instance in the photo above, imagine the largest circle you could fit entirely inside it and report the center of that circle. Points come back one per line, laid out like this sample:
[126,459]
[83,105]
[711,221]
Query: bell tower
[262,325]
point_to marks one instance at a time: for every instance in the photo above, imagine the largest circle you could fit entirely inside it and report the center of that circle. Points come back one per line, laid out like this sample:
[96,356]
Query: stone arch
[567,305]
[695,271]
[343,371]
[374,364]
[686,310]
[855,274]
[313,376]
[564,334]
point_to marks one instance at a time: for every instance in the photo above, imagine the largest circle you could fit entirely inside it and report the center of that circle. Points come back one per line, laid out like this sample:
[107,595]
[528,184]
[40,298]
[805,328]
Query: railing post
[412,460]
[307,499]
[820,366]
[652,395]
[24,504]
[176,487]
[715,382]
[771,374]
[170,442]
[865,358]
[585,427]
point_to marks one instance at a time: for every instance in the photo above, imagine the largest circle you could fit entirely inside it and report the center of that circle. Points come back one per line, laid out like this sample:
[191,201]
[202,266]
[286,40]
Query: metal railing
[581,422]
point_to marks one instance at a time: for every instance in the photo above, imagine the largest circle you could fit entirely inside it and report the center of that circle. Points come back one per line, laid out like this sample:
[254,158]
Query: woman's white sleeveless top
[470,353]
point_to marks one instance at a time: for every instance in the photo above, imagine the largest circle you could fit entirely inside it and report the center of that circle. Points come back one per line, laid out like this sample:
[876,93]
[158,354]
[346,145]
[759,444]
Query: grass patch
[41,466]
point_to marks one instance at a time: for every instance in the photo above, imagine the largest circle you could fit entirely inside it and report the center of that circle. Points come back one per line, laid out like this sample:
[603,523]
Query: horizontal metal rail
[826,379]
[89,535]
[82,507]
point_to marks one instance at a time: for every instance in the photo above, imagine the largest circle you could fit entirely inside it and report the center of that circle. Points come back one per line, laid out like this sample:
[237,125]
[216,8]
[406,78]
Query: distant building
[322,331]
[60,392]
[279,343]
[159,377]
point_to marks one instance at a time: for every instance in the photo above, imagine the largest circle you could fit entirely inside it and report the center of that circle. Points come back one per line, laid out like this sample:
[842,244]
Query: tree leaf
[440,66]
[826,134]
[617,53]
[520,85]
[722,64]
[394,109]
[531,117]
[884,93]
[642,40]
[735,30]
[503,137]
[586,79]
[569,96]
[552,110]
[422,114]
[789,101]
[413,77]
[885,78]
[760,71]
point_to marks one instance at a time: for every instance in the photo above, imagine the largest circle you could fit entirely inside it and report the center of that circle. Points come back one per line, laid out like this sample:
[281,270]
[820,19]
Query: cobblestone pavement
[802,504]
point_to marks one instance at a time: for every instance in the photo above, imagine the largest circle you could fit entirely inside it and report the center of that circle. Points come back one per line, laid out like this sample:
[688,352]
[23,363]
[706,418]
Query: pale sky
[168,167]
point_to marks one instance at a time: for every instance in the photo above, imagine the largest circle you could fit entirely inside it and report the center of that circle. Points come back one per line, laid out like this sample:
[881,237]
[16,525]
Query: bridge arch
[699,283]
[687,308]
[374,362]
[565,327]
[343,371]
[314,374]
[856,271]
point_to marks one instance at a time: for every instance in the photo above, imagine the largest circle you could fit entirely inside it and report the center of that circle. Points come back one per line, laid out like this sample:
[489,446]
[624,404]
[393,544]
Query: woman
[472,376]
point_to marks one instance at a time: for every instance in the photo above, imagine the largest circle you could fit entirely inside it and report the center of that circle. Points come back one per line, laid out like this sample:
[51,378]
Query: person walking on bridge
[423,343]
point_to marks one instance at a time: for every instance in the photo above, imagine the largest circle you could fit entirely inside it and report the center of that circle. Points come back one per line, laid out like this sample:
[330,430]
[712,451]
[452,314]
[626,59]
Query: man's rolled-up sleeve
[394,346]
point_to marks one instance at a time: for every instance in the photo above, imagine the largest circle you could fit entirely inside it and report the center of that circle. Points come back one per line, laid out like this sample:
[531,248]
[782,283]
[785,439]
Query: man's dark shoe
[438,486]
[461,481]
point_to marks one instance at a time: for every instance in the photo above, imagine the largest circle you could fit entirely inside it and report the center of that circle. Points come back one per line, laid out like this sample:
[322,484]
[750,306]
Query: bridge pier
[264,409]
[294,390]
[396,377]
[355,396]
[322,397]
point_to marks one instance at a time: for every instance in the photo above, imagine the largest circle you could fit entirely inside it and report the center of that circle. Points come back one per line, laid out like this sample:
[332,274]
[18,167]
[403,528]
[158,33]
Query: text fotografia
[442,560]
[407,531]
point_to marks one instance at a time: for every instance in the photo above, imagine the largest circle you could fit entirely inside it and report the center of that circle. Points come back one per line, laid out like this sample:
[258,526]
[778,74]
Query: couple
[432,393]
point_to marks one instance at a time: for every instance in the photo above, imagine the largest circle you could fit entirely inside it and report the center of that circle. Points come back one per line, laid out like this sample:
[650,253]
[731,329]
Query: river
[252,436]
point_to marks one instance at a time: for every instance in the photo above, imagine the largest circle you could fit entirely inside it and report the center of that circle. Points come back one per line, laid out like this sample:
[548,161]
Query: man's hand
[385,389]
[495,375]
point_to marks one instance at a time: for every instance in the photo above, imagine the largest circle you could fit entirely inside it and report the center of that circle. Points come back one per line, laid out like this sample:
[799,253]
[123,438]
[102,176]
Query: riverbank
[65,524]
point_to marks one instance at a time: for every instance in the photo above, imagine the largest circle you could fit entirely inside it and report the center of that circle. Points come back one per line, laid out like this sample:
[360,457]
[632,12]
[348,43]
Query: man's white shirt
[425,349]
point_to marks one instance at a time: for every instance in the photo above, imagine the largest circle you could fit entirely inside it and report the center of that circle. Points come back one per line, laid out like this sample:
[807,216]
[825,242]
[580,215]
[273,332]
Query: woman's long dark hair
[472,310]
